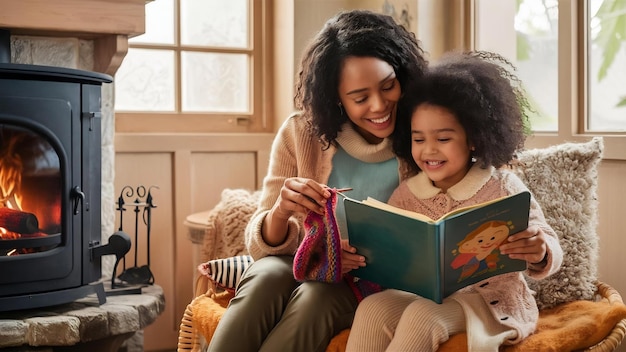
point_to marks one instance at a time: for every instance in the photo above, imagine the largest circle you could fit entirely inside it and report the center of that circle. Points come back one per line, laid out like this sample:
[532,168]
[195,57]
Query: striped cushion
[226,272]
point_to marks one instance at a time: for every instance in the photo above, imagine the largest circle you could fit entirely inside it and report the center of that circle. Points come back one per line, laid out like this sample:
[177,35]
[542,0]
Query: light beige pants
[395,321]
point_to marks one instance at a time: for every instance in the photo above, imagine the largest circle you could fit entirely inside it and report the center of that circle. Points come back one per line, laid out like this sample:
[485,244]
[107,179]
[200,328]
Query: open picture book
[434,257]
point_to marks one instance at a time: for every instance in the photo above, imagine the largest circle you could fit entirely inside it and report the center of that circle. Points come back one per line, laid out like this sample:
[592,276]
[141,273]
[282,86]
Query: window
[197,68]
[571,57]
[536,27]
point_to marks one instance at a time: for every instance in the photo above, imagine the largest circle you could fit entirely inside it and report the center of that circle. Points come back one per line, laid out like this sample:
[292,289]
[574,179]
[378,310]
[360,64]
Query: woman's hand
[299,195]
[349,259]
[529,245]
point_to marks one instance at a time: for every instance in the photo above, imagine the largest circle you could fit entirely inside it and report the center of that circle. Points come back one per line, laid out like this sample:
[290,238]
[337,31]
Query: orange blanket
[569,326]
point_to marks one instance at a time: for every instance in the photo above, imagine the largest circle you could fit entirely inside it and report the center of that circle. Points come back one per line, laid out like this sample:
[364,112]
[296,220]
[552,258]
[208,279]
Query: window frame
[256,120]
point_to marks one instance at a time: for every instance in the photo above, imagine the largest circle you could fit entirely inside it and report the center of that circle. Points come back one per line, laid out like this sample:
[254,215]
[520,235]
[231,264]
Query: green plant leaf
[622,102]
[612,21]
[523,47]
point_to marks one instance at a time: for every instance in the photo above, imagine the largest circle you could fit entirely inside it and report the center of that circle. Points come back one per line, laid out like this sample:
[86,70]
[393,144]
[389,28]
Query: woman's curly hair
[359,33]
[481,90]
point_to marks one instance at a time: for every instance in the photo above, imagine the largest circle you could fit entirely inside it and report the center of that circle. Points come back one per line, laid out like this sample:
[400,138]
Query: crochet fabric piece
[318,257]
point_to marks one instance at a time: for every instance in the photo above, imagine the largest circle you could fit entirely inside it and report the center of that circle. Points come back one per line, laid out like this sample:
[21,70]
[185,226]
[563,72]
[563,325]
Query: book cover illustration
[435,258]
[479,249]
[476,256]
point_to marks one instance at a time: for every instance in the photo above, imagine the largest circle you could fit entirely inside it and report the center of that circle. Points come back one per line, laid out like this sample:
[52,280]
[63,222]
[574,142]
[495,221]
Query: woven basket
[190,339]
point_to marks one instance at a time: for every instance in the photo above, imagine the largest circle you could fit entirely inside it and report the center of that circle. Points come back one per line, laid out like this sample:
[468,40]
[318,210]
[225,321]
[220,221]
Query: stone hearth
[83,325]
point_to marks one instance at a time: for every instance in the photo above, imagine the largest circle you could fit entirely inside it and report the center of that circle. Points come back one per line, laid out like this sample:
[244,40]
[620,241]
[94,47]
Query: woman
[349,92]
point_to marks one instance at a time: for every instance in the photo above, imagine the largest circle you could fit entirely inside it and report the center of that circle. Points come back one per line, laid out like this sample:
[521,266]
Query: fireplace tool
[138,275]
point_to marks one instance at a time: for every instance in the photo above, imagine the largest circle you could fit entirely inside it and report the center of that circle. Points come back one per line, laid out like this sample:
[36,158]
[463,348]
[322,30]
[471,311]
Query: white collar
[422,187]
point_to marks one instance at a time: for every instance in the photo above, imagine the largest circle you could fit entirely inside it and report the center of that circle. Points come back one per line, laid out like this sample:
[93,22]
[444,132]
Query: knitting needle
[338,190]
[341,190]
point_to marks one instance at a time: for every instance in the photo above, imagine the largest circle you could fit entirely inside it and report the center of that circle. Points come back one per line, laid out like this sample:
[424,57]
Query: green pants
[272,312]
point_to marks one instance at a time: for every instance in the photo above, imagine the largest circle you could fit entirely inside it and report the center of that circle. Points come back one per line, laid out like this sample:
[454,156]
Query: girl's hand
[299,195]
[349,259]
[529,245]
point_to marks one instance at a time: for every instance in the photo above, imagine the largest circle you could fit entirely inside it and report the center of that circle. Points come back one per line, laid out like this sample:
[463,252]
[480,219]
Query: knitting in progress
[319,256]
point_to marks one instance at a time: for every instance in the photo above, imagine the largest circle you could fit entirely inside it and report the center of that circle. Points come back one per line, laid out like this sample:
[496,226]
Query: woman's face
[369,92]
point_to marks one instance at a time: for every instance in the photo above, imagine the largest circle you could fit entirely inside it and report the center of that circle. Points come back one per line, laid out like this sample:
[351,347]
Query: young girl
[349,92]
[467,122]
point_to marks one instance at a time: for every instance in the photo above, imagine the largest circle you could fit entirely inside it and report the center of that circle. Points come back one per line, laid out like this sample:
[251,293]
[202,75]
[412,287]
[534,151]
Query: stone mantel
[109,23]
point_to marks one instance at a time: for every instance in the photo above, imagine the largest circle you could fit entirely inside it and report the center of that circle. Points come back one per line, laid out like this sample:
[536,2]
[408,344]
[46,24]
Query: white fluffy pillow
[563,178]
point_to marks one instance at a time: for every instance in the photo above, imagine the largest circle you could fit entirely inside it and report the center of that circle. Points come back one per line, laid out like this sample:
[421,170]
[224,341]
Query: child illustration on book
[479,249]
[468,122]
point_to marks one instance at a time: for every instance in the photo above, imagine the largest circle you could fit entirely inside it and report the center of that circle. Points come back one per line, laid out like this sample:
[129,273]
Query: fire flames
[10,180]
[29,188]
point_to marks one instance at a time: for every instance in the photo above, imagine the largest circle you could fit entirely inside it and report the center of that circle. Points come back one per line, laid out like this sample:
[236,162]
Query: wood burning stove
[50,185]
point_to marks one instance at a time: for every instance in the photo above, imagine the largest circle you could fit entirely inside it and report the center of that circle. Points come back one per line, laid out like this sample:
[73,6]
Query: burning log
[18,221]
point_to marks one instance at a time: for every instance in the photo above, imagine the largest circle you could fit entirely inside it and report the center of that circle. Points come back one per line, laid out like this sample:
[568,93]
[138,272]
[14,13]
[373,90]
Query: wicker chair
[573,165]
[190,338]
[615,337]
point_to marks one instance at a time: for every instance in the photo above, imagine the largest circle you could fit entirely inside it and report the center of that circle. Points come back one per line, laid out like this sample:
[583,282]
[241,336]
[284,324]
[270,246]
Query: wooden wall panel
[153,169]
[612,225]
[190,171]
[213,172]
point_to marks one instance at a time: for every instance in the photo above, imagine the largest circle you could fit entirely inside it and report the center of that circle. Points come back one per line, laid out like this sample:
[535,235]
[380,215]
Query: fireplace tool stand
[132,279]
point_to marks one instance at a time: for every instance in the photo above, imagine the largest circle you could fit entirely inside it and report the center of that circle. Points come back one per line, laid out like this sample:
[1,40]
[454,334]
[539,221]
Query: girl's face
[369,93]
[439,145]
